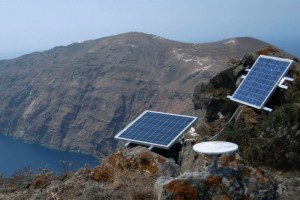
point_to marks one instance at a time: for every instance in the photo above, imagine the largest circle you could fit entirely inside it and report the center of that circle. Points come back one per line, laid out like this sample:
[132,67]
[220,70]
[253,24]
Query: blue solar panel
[261,81]
[156,129]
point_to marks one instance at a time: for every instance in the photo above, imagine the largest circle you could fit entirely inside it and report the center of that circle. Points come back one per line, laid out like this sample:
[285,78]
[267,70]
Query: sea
[15,156]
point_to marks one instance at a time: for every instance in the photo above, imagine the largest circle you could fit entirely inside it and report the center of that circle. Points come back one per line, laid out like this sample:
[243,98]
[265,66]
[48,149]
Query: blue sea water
[17,155]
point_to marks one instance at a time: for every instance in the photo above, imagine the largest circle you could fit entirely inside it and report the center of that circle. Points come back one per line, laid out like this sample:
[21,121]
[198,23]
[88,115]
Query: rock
[130,160]
[238,71]
[237,183]
[212,97]
[224,79]
[289,188]
[158,187]
[192,161]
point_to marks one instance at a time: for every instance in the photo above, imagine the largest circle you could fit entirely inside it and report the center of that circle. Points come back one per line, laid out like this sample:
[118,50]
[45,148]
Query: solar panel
[156,129]
[261,81]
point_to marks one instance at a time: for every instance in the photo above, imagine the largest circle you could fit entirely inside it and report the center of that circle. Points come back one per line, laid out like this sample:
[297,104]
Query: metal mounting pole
[214,166]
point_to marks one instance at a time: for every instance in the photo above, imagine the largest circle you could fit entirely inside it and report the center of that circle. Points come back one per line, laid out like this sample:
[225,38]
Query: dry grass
[267,51]
[130,176]
[41,181]
[209,129]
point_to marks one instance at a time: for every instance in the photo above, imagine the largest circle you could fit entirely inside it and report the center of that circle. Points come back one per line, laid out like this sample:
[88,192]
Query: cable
[219,133]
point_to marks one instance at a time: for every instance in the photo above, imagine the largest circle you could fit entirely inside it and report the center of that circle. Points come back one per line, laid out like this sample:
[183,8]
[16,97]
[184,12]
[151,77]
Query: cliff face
[79,96]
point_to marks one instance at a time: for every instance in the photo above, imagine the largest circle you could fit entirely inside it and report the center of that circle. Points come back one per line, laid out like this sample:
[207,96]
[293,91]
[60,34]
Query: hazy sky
[37,25]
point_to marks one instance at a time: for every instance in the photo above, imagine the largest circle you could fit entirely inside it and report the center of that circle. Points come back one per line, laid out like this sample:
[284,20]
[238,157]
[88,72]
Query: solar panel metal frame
[119,135]
[273,88]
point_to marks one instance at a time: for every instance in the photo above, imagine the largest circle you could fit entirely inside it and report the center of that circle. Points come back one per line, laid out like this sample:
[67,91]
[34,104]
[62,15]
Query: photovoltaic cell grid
[261,81]
[156,129]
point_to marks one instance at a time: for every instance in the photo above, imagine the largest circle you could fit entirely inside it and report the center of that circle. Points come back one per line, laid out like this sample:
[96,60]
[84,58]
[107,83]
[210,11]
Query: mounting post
[127,144]
[281,85]
[150,148]
[267,109]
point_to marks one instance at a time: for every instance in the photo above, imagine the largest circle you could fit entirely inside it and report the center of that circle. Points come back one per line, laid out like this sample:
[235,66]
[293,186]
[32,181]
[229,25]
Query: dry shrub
[247,117]
[110,167]
[209,129]
[118,163]
[146,162]
[267,51]
[21,178]
[102,174]
[131,176]
[134,184]
[41,181]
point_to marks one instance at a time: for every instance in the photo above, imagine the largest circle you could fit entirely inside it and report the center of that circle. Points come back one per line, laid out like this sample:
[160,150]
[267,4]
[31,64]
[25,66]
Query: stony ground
[132,175]
[288,183]
[124,175]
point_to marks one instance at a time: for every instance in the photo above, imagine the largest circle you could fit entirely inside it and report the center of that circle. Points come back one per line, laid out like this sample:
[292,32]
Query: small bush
[42,180]
[267,51]
[102,174]
[22,178]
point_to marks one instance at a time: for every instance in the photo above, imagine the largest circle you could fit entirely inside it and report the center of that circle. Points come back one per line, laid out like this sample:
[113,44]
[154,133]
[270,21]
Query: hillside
[266,165]
[77,97]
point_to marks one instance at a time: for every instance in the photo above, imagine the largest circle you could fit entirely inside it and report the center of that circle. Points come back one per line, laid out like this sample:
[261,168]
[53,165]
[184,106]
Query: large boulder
[234,180]
[138,159]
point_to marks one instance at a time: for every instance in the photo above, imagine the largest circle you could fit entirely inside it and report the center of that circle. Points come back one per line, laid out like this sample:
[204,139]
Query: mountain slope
[79,96]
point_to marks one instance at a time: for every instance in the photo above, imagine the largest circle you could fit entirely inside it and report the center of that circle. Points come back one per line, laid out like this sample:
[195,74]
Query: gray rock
[236,183]
[159,187]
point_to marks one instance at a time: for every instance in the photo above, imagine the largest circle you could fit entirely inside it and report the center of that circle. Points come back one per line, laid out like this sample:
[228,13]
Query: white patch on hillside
[30,108]
[201,64]
[158,37]
[202,69]
[188,58]
[131,45]
[234,42]
[183,57]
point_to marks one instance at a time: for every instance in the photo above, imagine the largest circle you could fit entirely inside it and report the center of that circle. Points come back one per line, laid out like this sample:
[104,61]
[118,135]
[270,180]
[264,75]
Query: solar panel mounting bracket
[264,76]
[282,81]
[127,144]
[267,109]
[150,148]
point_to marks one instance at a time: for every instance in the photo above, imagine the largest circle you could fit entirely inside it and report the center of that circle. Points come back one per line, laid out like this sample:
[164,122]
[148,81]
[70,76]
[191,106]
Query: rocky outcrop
[126,174]
[233,181]
[212,96]
[130,160]
[138,173]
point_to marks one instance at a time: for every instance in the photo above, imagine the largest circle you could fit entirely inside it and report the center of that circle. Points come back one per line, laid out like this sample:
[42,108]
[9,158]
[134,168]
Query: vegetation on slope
[269,139]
